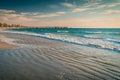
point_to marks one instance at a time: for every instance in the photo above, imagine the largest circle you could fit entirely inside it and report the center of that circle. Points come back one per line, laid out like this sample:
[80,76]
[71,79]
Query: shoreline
[4,45]
[36,57]
[95,44]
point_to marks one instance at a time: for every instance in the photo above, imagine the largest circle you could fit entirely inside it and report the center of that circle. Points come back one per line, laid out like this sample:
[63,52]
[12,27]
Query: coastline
[39,58]
[4,45]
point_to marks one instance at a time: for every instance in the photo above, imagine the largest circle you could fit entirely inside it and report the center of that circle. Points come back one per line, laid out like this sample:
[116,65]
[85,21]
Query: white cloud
[93,1]
[106,5]
[6,11]
[60,13]
[46,15]
[36,19]
[67,5]
[49,15]
[92,12]
[79,9]
[113,4]
[8,16]
[91,5]
[25,18]
[30,13]
[33,20]
[84,22]
[96,4]
[111,11]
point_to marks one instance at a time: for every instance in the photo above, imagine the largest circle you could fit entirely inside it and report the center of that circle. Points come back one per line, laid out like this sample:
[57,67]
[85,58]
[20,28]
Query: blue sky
[71,13]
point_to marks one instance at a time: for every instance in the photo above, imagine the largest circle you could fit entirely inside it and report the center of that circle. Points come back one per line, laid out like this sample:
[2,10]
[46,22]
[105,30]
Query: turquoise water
[103,38]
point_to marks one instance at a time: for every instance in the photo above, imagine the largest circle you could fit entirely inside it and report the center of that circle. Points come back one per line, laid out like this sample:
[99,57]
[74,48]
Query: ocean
[103,38]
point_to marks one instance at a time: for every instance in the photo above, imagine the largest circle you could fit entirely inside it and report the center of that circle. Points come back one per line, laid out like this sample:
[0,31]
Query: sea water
[103,38]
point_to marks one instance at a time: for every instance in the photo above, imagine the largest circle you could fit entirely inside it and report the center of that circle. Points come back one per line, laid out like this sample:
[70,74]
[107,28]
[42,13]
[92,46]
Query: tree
[0,24]
[10,25]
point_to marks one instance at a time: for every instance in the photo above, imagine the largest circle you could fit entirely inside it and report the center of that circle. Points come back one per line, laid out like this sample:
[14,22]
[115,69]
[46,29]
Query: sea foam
[90,42]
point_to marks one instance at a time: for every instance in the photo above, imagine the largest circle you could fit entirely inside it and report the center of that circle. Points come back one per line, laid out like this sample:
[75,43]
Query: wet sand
[37,58]
[4,45]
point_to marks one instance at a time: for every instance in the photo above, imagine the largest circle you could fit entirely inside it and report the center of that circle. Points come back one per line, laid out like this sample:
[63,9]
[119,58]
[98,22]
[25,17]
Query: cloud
[8,16]
[6,11]
[67,5]
[107,5]
[41,15]
[84,22]
[60,13]
[79,9]
[92,12]
[113,4]
[12,17]
[39,19]
[97,4]
[111,11]
[90,5]
[49,15]
[26,18]
[30,13]
[93,1]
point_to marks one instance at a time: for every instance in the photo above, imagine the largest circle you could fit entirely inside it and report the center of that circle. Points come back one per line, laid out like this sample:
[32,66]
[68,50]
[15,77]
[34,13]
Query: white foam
[78,40]
[116,40]
[94,42]
[63,31]
[93,32]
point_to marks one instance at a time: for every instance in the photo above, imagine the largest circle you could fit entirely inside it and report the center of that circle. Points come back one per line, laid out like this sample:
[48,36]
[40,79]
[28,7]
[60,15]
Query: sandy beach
[4,45]
[25,57]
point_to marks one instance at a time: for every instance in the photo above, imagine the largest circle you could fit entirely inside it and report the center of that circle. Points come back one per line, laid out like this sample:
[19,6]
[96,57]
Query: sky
[70,13]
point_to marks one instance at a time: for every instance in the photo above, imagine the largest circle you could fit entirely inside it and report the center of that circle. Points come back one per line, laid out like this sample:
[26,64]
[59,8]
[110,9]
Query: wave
[62,31]
[92,36]
[83,41]
[100,32]
[93,32]
[113,40]
[90,42]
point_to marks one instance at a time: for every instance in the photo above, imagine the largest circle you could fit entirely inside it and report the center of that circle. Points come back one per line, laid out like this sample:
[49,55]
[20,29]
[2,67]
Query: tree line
[4,25]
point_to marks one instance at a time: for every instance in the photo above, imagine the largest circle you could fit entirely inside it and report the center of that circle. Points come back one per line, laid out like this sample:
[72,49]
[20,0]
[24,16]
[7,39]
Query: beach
[26,57]
[4,45]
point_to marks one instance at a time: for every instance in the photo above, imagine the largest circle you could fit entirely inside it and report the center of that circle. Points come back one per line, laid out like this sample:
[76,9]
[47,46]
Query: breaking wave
[108,44]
